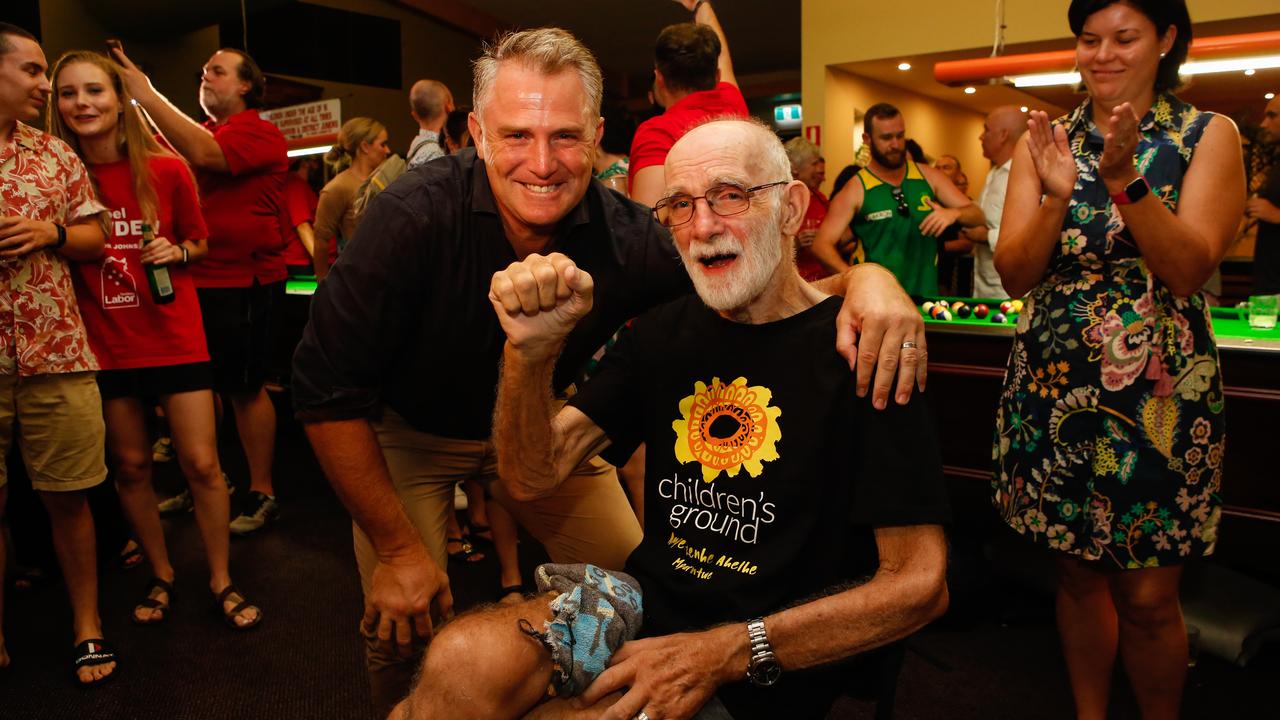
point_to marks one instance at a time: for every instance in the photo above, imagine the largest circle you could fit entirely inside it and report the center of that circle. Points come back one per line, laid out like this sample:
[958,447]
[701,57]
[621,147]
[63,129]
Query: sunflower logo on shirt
[727,427]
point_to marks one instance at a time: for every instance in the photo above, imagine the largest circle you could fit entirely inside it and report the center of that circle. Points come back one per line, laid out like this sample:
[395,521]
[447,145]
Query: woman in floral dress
[1110,429]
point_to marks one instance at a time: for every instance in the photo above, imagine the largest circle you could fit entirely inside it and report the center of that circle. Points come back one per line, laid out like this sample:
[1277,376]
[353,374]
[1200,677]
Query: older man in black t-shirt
[396,370]
[767,478]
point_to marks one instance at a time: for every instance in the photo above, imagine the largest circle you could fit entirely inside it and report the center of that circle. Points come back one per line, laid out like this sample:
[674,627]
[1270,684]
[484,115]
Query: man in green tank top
[896,209]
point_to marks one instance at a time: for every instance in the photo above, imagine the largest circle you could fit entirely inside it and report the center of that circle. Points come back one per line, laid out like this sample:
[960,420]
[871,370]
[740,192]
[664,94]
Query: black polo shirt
[404,318]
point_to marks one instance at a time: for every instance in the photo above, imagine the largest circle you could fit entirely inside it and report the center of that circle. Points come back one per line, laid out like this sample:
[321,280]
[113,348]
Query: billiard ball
[958,304]
[943,303]
[927,307]
[944,315]
[999,318]
[1006,307]
[964,311]
[937,311]
[1017,306]
[980,311]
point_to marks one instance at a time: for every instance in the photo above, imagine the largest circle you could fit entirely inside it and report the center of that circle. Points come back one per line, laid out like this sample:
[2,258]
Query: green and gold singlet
[889,230]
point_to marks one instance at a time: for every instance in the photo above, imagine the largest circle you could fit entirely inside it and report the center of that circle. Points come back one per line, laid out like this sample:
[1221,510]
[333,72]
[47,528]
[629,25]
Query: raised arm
[676,674]
[538,301]
[704,14]
[187,136]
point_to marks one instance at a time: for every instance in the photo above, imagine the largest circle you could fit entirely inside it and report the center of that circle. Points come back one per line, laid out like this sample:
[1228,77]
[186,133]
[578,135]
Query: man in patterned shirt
[49,402]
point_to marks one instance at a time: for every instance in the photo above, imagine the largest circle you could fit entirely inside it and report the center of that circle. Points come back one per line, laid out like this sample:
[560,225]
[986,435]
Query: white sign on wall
[308,120]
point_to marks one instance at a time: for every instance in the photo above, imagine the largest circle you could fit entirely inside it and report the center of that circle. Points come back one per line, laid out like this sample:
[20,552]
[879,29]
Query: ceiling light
[1200,67]
[309,151]
[1046,79]
[904,66]
[1250,72]
[970,90]
[1023,108]
[1269,96]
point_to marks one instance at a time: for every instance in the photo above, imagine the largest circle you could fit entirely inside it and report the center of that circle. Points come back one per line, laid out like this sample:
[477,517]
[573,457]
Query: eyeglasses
[724,200]
[903,208]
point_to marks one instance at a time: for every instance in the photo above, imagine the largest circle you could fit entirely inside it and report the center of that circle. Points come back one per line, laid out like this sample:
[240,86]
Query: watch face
[765,672]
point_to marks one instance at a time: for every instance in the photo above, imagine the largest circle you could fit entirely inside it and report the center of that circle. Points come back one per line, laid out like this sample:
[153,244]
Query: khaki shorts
[57,423]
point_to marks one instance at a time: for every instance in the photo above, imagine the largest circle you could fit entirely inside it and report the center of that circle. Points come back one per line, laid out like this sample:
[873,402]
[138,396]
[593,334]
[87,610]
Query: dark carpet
[995,657]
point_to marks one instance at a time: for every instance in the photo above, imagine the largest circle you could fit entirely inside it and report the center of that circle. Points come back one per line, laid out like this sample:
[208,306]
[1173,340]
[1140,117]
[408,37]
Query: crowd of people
[615,283]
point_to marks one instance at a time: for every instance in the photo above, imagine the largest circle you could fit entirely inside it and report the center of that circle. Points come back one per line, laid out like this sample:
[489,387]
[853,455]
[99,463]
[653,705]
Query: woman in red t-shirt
[148,352]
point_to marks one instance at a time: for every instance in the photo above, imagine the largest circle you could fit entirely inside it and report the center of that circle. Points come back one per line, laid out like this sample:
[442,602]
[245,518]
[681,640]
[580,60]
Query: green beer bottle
[157,275]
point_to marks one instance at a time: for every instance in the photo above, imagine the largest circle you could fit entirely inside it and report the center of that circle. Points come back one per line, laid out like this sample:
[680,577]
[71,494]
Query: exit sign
[786,114]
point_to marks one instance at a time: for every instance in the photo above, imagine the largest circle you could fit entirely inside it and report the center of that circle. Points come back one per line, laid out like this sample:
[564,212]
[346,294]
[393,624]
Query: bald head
[429,102]
[750,146]
[738,247]
[1000,133]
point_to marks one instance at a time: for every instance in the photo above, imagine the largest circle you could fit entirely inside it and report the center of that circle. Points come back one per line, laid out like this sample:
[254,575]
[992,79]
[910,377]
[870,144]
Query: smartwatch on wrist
[62,236]
[1133,192]
[763,669]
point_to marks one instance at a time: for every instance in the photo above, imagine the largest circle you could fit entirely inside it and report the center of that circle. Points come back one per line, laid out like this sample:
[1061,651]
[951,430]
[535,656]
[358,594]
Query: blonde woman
[150,350]
[361,148]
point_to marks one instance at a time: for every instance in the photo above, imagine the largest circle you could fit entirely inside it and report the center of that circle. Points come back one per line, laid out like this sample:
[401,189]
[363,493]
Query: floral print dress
[1110,429]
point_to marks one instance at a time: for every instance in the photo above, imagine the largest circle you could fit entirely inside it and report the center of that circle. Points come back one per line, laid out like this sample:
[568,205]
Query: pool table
[300,285]
[967,359]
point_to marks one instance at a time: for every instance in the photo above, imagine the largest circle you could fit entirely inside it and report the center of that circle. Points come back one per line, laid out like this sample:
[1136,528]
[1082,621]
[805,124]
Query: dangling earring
[1162,56]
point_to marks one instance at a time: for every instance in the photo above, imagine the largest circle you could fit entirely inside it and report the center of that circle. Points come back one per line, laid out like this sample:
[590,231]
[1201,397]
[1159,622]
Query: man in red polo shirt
[693,79]
[240,164]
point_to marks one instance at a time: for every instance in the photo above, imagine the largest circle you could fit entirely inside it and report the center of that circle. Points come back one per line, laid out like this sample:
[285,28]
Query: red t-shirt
[808,265]
[298,206]
[655,136]
[242,206]
[126,328]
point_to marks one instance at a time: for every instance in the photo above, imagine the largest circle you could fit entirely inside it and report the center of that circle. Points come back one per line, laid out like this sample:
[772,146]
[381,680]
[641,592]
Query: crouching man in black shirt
[770,486]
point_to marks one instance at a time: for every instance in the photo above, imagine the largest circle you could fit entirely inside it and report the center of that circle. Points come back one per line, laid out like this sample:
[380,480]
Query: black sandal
[93,652]
[478,532]
[130,557]
[506,590]
[152,603]
[468,553]
[230,615]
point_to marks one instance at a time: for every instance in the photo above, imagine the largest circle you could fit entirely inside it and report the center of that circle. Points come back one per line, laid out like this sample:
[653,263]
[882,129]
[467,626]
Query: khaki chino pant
[588,520]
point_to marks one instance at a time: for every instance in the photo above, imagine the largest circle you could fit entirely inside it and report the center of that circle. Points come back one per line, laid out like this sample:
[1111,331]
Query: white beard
[752,270]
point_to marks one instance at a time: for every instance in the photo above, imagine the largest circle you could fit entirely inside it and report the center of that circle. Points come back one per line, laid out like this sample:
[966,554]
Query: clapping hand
[1051,154]
[1115,167]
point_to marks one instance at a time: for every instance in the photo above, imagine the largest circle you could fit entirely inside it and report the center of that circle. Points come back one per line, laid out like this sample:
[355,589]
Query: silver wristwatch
[763,669]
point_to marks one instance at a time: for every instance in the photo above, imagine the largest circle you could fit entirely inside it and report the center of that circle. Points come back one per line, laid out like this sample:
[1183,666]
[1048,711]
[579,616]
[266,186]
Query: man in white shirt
[430,103]
[1000,134]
